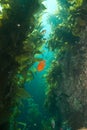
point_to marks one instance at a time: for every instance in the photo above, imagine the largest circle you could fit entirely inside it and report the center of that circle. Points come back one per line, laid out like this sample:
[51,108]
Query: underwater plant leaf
[22,58]
[21,123]
[38,59]
[22,93]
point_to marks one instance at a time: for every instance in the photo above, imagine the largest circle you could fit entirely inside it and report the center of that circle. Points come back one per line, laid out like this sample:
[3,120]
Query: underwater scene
[43,64]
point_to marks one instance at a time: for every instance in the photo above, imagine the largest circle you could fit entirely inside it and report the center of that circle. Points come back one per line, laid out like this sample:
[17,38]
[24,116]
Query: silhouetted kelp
[67,90]
[16,22]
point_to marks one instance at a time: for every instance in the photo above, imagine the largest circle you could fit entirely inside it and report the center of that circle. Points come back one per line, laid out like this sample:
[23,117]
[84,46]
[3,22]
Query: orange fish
[41,65]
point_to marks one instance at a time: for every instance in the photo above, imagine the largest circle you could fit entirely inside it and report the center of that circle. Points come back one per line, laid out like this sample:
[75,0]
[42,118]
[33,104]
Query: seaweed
[16,22]
[66,77]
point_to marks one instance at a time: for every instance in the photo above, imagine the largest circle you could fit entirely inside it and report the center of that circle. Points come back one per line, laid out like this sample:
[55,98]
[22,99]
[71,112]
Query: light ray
[51,6]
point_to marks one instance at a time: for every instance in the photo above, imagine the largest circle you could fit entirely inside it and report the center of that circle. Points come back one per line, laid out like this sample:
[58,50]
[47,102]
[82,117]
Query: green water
[33,31]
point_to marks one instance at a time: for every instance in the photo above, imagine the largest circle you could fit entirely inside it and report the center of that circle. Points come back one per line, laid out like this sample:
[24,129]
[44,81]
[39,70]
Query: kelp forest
[43,64]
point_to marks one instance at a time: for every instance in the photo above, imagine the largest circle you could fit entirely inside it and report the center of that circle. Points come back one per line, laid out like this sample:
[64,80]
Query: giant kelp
[16,22]
[31,118]
[67,77]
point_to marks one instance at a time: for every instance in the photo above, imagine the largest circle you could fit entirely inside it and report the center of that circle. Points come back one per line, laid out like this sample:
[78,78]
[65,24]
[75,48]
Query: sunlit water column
[38,84]
[49,16]
[51,9]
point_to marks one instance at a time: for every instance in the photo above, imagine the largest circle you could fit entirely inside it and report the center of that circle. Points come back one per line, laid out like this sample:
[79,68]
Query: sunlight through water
[52,8]
[51,5]
[1,8]
[39,83]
